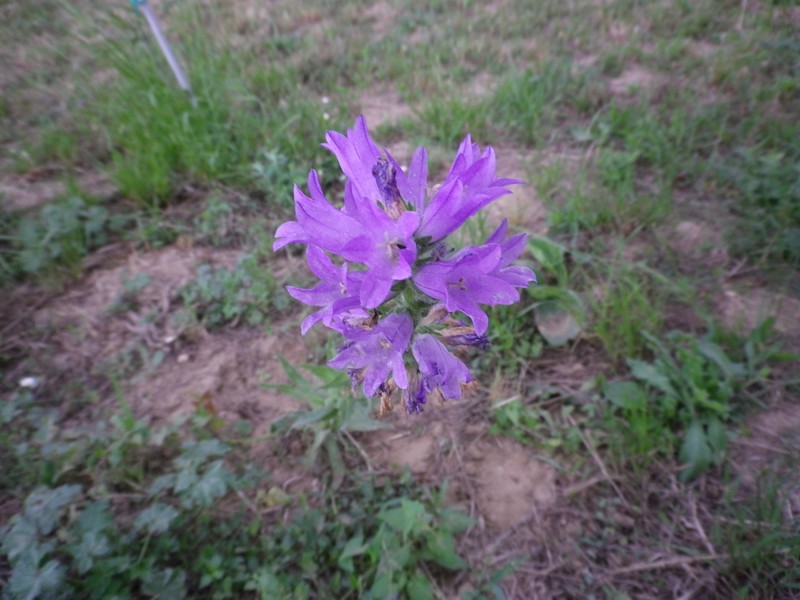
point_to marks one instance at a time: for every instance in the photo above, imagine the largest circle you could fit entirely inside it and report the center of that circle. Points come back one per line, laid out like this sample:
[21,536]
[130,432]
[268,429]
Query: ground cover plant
[626,427]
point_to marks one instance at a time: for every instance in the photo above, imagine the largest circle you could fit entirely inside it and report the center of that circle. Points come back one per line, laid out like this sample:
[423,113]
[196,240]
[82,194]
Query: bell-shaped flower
[511,249]
[470,278]
[385,245]
[318,221]
[470,185]
[361,233]
[378,352]
[414,397]
[357,154]
[337,293]
[438,369]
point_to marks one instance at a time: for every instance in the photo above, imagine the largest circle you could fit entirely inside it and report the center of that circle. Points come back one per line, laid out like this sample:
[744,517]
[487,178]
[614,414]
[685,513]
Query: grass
[629,301]
[607,370]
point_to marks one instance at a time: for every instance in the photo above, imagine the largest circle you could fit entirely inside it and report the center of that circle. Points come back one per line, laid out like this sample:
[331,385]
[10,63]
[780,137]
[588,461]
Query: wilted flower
[392,263]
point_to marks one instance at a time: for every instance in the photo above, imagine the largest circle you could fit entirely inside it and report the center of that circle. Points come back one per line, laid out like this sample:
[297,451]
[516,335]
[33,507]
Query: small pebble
[30,383]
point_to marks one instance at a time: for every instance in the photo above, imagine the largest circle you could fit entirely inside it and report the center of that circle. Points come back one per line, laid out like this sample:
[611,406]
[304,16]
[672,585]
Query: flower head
[386,249]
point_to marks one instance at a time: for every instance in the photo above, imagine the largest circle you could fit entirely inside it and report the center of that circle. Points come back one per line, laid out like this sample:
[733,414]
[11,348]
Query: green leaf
[168,584]
[21,537]
[695,452]
[354,547]
[197,453]
[382,587]
[29,580]
[441,548]
[185,480]
[93,544]
[44,505]
[455,521]
[409,515]
[419,587]
[156,518]
[313,417]
[717,355]
[360,420]
[650,375]
[550,256]
[330,377]
[211,485]
[163,483]
[627,395]
[336,461]
[717,439]
[95,517]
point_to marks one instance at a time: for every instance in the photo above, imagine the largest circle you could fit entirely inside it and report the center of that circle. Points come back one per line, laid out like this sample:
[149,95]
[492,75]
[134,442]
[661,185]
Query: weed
[627,300]
[514,342]
[538,423]
[59,236]
[159,138]
[692,384]
[763,545]
[335,411]
[220,296]
[558,309]
[274,175]
[767,187]
[128,298]
[214,224]
[607,194]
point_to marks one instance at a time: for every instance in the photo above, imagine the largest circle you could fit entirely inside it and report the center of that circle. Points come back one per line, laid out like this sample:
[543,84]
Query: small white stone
[183,358]
[170,338]
[30,383]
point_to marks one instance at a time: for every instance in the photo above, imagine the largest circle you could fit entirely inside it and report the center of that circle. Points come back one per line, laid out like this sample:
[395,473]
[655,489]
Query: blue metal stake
[166,49]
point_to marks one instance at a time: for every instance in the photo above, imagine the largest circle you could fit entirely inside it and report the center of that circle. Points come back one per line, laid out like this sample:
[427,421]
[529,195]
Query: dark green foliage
[694,386]
[55,238]
[169,537]
[767,188]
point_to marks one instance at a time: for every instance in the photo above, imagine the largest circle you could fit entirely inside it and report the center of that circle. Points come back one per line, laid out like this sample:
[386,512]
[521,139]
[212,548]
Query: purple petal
[438,368]
[414,185]
[379,351]
[357,154]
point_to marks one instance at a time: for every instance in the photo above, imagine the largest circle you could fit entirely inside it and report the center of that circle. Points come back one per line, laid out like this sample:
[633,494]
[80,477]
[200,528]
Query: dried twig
[667,563]
[598,461]
[740,22]
[761,446]
[358,447]
[698,527]
[577,488]
[252,507]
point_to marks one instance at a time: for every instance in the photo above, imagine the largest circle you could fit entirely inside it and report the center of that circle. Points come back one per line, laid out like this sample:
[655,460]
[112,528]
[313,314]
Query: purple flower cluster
[396,284]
